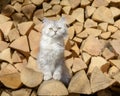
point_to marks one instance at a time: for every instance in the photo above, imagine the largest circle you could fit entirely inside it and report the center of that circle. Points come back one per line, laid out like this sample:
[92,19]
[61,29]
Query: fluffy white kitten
[51,55]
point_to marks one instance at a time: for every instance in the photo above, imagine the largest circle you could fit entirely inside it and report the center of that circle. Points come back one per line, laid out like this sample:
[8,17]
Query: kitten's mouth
[54,34]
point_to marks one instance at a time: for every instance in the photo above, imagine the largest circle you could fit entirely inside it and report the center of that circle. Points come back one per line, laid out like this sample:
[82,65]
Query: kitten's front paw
[57,76]
[47,76]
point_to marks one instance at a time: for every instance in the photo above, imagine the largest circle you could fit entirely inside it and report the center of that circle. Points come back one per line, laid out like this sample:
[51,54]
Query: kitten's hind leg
[57,73]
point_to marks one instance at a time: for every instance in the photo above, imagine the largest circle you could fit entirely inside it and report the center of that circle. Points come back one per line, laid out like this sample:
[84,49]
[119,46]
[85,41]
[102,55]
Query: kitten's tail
[65,76]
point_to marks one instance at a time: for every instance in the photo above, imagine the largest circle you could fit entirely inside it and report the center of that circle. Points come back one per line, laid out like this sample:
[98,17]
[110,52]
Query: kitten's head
[55,29]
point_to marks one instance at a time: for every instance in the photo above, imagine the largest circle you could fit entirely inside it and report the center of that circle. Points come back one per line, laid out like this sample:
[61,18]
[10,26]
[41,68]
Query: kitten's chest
[54,48]
[54,51]
[57,47]
[52,45]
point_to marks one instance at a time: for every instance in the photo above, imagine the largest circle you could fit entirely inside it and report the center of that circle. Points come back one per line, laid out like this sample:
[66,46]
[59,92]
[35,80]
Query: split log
[69,64]
[39,14]
[20,66]
[67,54]
[14,1]
[92,46]
[3,18]
[6,27]
[78,64]
[82,35]
[117,77]
[96,62]
[115,1]
[10,77]
[112,28]
[80,83]
[74,4]
[76,50]
[103,17]
[98,3]
[18,44]
[92,31]
[52,87]
[68,44]
[66,9]
[31,78]
[37,2]
[115,45]
[103,26]
[17,6]
[21,92]
[78,14]
[70,19]
[3,65]
[25,27]
[105,35]
[108,54]
[89,11]
[93,40]
[6,55]
[115,11]
[32,64]
[71,32]
[8,10]
[16,57]
[65,3]
[116,63]
[3,45]
[55,2]
[18,17]
[28,10]
[56,9]
[34,43]
[5,94]
[112,71]
[49,13]
[77,40]
[99,81]
[27,2]
[38,27]
[86,57]
[90,23]
[78,27]
[116,35]
[33,93]
[46,6]
[84,3]
[13,34]
[34,53]
[117,24]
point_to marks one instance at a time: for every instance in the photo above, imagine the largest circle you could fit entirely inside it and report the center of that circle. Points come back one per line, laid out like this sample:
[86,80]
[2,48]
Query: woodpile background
[92,49]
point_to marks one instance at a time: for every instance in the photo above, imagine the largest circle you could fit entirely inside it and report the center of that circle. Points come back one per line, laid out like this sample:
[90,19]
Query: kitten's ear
[62,20]
[46,20]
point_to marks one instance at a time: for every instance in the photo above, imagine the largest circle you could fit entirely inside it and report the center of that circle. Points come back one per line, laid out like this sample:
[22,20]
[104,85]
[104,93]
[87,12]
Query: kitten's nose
[55,31]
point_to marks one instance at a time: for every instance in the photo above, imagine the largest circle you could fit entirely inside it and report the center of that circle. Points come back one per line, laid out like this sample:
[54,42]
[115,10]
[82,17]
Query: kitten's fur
[51,55]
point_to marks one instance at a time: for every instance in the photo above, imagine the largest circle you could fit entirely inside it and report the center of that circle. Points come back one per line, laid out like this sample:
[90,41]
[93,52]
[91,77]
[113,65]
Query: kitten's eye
[59,27]
[50,28]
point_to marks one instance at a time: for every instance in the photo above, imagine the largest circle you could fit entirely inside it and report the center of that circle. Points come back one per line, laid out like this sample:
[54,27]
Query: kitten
[51,56]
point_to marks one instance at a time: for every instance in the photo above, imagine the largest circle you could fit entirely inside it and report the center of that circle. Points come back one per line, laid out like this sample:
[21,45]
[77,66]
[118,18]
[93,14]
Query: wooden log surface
[92,47]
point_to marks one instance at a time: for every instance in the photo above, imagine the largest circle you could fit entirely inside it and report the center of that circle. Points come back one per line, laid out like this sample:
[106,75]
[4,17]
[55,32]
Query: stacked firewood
[92,49]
